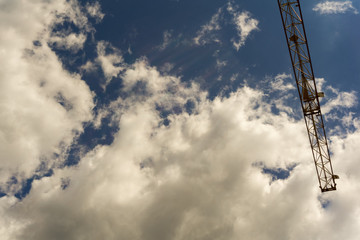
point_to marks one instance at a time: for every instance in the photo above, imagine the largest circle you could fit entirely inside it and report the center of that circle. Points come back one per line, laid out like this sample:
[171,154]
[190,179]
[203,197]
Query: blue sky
[172,119]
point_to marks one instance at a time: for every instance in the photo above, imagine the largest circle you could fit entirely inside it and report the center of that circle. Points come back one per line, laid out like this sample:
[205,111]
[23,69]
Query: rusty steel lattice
[309,97]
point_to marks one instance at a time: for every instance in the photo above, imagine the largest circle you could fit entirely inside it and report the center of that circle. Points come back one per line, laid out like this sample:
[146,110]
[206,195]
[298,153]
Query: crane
[309,96]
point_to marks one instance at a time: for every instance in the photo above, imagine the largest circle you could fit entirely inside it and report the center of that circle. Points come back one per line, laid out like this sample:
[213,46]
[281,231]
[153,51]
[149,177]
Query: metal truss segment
[301,61]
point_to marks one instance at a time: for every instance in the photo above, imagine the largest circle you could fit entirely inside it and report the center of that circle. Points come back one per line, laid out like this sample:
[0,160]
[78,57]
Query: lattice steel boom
[309,97]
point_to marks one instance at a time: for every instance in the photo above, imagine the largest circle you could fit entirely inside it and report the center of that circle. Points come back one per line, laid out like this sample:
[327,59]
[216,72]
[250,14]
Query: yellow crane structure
[309,96]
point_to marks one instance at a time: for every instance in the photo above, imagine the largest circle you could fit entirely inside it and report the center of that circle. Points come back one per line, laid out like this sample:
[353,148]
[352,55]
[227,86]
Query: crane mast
[309,97]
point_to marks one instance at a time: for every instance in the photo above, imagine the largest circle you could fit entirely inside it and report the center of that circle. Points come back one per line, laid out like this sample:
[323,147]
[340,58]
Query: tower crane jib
[309,96]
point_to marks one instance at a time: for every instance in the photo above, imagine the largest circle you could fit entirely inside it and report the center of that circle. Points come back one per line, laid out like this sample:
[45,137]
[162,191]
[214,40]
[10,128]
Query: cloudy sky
[173,119]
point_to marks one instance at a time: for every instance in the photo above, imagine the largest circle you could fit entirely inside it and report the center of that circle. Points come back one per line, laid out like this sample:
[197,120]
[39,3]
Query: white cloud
[94,10]
[282,84]
[244,25]
[336,99]
[89,66]
[335,7]
[195,178]
[343,99]
[205,36]
[76,14]
[278,83]
[109,59]
[111,63]
[72,41]
[42,105]
[241,19]
[319,83]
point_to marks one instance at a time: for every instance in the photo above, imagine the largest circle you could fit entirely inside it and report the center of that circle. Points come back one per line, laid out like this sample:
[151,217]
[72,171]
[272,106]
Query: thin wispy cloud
[335,7]
[243,22]
[111,63]
[203,37]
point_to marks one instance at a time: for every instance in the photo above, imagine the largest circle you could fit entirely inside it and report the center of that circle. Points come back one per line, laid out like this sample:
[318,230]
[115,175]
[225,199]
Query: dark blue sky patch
[325,203]
[43,169]
[70,60]
[177,109]
[37,43]
[166,122]
[26,187]
[139,89]
[163,113]
[142,23]
[94,79]
[190,61]
[2,194]
[74,156]
[27,183]
[66,26]
[190,106]
[90,138]
[113,90]
[12,180]
[276,173]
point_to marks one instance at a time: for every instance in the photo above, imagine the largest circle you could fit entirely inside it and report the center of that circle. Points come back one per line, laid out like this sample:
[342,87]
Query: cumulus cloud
[155,175]
[42,105]
[198,176]
[335,7]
